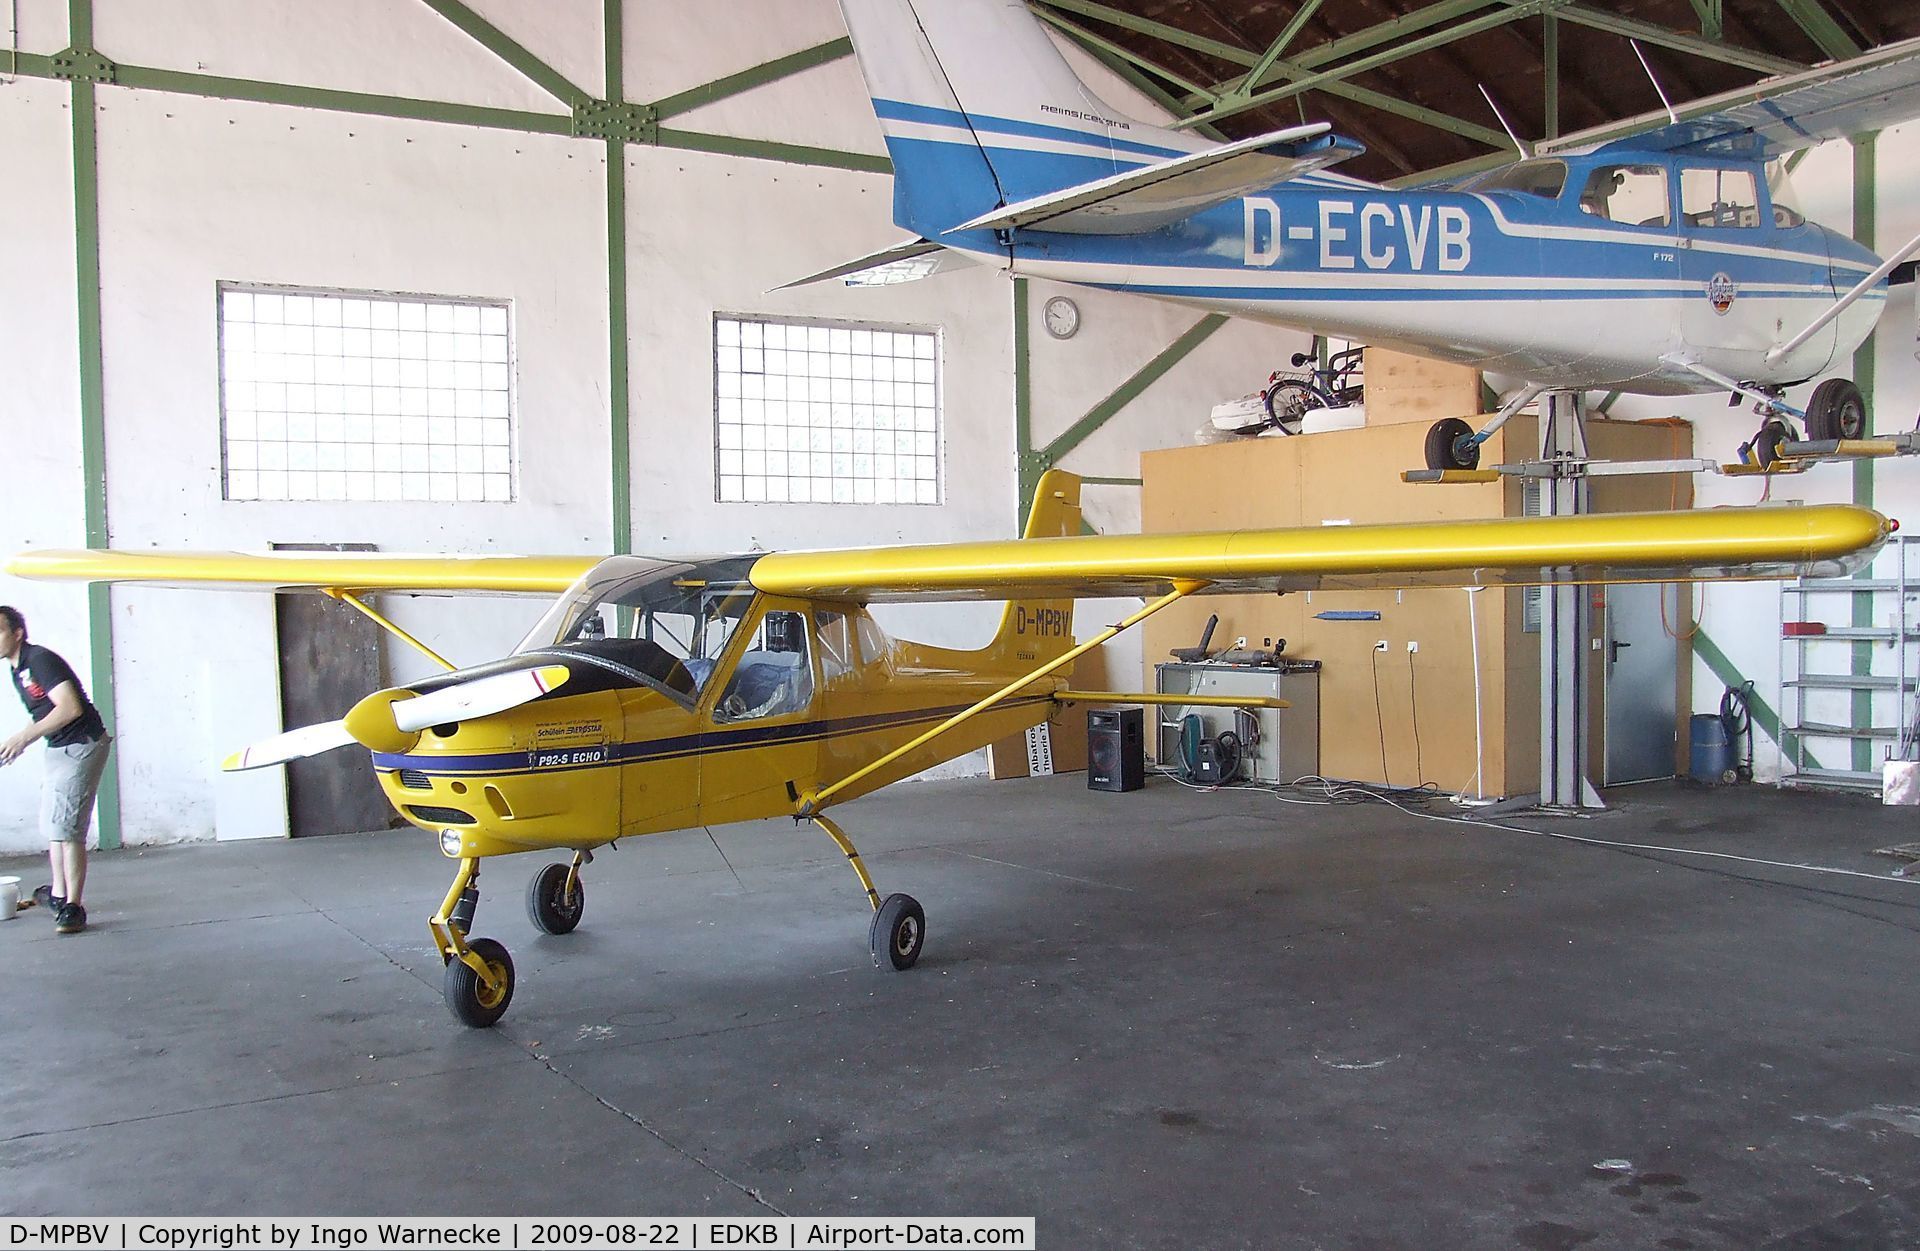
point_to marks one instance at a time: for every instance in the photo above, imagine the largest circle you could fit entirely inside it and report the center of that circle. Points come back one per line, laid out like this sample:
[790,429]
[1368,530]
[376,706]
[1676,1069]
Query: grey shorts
[66,794]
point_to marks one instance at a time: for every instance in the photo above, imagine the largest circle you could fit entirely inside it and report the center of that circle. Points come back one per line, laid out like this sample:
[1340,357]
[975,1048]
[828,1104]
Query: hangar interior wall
[195,190]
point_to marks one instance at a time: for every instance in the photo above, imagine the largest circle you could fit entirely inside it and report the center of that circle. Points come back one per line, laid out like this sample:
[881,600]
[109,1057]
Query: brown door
[329,658]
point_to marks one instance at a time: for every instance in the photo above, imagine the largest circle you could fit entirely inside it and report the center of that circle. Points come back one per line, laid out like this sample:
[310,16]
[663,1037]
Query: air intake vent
[415,780]
[440,816]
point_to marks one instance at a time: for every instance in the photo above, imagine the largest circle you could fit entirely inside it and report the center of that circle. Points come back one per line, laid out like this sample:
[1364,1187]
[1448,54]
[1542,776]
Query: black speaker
[1116,750]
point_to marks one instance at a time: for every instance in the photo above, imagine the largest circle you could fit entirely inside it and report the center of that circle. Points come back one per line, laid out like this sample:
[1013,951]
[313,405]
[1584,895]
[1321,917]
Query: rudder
[1034,631]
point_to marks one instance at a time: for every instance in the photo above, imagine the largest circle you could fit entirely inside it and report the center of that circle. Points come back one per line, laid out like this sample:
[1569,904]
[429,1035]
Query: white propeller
[308,740]
[480,697]
[462,701]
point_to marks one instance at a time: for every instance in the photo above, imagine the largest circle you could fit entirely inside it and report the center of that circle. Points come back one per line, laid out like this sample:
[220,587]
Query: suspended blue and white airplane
[1649,256]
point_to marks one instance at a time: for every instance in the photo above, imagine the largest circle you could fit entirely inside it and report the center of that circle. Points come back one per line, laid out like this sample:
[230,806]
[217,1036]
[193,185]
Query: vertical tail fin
[1034,631]
[980,110]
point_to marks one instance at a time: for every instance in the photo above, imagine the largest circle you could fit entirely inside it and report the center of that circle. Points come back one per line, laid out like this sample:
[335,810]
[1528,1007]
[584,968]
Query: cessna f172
[658,695]
[1658,263]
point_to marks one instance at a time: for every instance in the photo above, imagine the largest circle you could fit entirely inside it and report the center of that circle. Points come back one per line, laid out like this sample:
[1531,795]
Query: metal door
[1638,659]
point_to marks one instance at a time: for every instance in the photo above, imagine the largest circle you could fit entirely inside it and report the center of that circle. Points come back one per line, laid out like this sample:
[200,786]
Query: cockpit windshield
[662,622]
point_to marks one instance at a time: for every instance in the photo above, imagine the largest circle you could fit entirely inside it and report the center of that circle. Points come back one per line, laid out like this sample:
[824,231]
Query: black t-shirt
[36,674]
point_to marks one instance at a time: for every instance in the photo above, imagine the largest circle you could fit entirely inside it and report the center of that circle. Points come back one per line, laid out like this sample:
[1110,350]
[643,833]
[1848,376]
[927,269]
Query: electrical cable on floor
[1413,711]
[1356,792]
[1379,718]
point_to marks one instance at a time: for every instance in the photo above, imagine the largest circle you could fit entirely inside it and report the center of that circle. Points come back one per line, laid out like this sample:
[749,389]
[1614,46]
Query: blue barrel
[1709,754]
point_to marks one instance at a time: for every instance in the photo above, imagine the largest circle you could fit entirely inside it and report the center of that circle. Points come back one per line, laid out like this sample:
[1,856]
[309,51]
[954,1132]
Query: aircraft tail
[980,110]
[1034,631]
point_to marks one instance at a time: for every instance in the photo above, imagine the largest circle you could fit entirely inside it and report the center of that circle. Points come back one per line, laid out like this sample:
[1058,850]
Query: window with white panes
[807,412]
[350,395]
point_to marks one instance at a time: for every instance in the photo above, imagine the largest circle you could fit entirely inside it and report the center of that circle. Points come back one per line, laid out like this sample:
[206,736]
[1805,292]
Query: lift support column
[1564,619]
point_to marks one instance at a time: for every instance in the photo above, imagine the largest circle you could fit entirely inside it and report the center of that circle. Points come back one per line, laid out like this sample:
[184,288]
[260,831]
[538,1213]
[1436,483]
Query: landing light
[450,843]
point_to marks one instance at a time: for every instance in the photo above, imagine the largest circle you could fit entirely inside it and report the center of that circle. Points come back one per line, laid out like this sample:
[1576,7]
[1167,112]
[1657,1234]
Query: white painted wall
[195,191]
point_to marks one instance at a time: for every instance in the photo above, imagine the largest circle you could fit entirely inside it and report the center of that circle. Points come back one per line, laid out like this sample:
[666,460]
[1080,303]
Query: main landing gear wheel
[1837,411]
[899,928]
[1450,445]
[548,905]
[468,997]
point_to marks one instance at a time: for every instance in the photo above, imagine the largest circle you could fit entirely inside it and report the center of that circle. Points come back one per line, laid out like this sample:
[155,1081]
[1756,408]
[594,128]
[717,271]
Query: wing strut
[813,801]
[1840,305]
[348,597]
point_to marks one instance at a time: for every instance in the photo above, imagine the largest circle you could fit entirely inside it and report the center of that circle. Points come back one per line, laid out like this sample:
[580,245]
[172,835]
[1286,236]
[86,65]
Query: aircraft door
[759,742]
[1719,219]
[1638,252]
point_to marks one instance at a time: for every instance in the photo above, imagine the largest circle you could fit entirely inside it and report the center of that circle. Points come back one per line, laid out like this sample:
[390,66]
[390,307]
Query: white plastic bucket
[9,898]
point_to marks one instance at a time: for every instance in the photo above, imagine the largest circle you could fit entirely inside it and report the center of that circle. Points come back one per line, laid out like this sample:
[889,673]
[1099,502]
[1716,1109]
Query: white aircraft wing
[903,262]
[1139,200]
[1777,115]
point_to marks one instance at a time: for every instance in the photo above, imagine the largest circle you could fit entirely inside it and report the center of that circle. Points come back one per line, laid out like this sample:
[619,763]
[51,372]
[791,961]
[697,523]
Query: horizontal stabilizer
[482,697]
[903,262]
[1777,115]
[1152,196]
[308,740]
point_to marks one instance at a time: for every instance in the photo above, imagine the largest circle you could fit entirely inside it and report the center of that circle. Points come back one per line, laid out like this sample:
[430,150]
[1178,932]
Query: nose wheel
[475,998]
[478,982]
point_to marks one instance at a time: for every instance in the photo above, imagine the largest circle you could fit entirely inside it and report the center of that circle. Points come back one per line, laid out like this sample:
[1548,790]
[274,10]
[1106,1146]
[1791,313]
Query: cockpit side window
[774,675]
[1634,195]
[1719,198]
[1541,178]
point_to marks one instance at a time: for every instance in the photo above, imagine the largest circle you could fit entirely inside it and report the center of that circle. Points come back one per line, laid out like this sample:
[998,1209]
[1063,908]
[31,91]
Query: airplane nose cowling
[371,723]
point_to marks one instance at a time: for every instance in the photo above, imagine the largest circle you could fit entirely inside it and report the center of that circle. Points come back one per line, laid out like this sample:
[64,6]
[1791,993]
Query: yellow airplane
[659,695]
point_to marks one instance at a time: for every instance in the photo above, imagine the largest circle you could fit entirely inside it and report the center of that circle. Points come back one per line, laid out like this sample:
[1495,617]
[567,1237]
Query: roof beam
[1286,36]
[1812,17]
[1693,45]
[748,79]
[494,40]
[1093,41]
[1399,52]
[1227,52]
[1713,22]
[1128,71]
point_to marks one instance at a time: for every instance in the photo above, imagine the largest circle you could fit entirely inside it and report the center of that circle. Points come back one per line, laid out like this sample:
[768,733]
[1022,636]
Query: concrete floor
[1166,1019]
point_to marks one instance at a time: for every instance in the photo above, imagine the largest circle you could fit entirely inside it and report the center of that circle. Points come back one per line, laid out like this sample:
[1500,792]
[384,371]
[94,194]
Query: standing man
[77,746]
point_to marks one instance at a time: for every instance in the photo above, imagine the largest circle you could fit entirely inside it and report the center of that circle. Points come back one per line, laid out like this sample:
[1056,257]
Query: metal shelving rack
[1812,669]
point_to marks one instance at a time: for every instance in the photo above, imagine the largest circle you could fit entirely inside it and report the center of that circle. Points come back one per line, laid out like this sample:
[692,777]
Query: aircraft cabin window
[1719,198]
[773,677]
[873,641]
[837,657]
[1541,178]
[660,624]
[1634,195]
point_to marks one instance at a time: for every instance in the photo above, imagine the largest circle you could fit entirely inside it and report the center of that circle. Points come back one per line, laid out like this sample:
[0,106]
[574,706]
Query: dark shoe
[71,919]
[44,896]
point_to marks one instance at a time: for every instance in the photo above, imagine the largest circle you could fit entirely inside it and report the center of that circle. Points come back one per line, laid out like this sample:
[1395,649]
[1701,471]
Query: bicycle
[1339,383]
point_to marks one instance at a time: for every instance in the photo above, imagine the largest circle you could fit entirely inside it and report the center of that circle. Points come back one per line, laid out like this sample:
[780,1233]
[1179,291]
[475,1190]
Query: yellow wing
[310,571]
[1775,542]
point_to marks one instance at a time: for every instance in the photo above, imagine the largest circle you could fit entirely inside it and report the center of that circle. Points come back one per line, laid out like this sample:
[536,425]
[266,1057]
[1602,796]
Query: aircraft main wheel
[1449,445]
[472,1001]
[898,930]
[1837,411]
[547,904]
